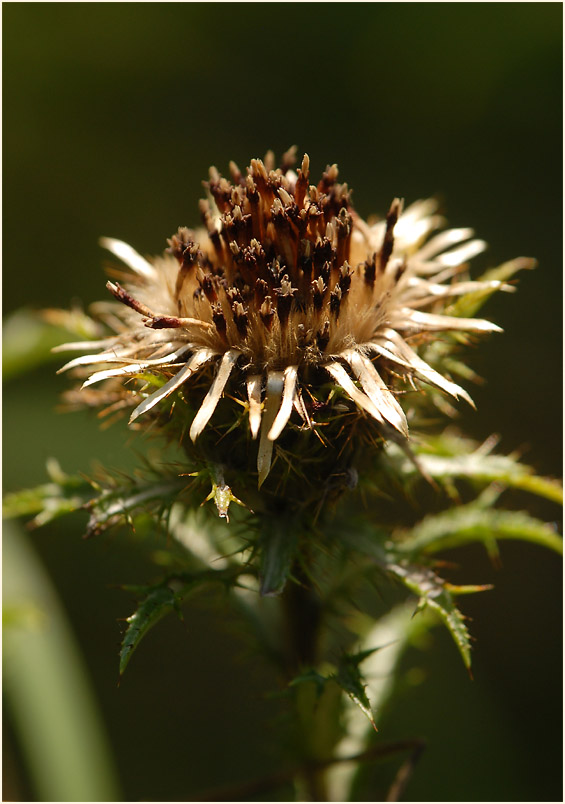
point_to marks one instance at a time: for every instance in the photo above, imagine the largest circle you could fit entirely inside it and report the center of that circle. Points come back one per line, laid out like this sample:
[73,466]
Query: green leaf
[65,494]
[115,504]
[350,679]
[107,506]
[478,466]
[156,604]
[311,677]
[394,632]
[29,337]
[278,550]
[469,304]
[432,592]
[473,523]
[454,366]
[493,468]
[165,597]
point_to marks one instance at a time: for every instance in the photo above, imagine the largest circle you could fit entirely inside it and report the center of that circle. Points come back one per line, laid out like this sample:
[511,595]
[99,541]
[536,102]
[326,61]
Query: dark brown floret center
[278,245]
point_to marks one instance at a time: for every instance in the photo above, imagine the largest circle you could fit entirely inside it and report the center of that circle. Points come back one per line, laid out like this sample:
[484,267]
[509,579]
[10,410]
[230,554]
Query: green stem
[303,619]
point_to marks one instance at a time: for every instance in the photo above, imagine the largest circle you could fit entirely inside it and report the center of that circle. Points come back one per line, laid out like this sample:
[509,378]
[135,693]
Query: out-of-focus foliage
[46,684]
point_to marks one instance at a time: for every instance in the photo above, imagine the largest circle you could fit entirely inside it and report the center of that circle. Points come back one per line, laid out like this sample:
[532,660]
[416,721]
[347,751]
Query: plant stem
[303,618]
[302,611]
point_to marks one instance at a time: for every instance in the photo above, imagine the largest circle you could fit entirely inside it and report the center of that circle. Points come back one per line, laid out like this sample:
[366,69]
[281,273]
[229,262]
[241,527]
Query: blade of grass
[46,685]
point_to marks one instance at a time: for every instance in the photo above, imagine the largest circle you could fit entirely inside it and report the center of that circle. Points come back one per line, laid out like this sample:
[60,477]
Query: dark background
[113,113]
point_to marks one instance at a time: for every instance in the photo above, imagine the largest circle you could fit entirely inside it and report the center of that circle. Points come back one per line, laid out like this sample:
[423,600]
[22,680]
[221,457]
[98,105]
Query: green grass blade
[47,688]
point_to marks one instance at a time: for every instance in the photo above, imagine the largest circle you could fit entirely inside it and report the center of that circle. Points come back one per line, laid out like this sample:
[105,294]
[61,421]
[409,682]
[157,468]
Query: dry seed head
[285,283]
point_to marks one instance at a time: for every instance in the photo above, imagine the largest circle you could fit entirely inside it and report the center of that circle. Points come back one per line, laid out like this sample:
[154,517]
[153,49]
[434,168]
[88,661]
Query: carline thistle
[285,289]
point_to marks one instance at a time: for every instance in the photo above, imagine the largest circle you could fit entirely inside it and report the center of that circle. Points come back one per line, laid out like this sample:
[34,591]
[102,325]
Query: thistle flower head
[285,290]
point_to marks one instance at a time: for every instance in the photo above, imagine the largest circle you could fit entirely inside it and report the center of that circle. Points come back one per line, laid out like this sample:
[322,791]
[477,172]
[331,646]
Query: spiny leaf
[47,502]
[107,504]
[156,604]
[467,305]
[433,593]
[65,494]
[472,523]
[480,467]
[347,676]
[165,597]
[310,677]
[438,352]
[454,366]
[350,679]
[122,501]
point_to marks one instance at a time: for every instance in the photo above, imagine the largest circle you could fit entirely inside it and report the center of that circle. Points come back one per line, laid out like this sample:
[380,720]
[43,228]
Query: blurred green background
[113,113]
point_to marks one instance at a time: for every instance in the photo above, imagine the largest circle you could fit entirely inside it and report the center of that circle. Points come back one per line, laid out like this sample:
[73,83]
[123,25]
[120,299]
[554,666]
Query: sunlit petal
[213,396]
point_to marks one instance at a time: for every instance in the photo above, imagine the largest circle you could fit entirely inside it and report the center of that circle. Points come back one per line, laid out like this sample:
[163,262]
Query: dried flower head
[285,289]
